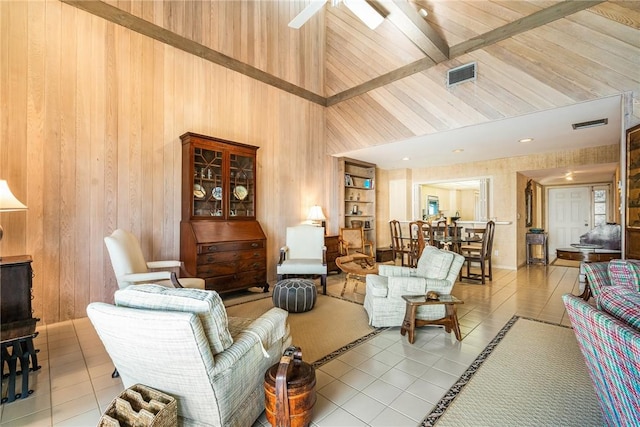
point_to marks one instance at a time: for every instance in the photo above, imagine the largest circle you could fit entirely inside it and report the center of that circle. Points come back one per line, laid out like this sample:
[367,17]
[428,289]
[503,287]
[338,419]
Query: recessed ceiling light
[423,12]
[525,140]
[458,150]
[405,158]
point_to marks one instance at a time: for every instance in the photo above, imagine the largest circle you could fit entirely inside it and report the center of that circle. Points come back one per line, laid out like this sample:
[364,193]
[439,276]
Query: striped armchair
[180,341]
[437,270]
[609,338]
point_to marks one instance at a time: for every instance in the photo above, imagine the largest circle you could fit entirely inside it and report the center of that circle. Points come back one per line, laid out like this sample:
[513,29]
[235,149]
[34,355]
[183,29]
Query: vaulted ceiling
[389,84]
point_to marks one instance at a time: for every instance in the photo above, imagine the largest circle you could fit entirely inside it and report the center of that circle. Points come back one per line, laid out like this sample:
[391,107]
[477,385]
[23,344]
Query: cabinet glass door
[241,186]
[208,189]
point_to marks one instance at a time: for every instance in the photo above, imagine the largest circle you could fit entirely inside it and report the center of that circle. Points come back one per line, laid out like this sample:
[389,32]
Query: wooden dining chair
[398,246]
[473,232]
[441,230]
[417,240]
[482,256]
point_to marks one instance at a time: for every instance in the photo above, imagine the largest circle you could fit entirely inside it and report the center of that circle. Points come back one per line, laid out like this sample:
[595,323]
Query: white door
[569,216]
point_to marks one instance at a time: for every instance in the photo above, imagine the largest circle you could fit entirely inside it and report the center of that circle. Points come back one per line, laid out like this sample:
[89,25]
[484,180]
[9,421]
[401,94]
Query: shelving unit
[359,195]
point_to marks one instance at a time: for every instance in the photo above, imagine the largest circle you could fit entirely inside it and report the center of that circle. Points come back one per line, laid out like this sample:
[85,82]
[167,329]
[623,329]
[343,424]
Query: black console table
[17,325]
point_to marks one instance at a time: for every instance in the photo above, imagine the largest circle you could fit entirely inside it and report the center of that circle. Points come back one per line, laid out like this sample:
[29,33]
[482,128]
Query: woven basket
[141,406]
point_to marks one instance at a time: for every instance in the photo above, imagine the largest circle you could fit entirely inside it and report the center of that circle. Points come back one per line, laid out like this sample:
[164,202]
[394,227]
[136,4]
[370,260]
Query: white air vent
[590,124]
[461,74]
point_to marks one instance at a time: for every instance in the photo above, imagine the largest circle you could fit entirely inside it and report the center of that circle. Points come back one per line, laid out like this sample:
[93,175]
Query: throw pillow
[625,273]
[622,303]
[434,263]
[206,304]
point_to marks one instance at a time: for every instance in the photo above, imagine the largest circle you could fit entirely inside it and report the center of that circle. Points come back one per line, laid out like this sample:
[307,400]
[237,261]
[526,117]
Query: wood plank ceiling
[388,84]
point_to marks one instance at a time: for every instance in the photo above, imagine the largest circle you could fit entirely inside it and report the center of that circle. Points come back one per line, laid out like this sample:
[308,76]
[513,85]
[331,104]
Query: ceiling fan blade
[311,9]
[367,14]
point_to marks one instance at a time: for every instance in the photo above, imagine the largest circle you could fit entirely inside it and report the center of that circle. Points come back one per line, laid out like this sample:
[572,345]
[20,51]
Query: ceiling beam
[149,29]
[376,82]
[407,19]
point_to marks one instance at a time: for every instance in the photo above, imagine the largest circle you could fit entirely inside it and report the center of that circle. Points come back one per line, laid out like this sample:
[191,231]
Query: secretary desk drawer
[231,256]
[226,268]
[230,246]
[236,281]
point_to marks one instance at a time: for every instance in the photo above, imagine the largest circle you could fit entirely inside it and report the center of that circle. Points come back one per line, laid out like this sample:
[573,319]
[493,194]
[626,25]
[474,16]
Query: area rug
[531,374]
[332,327]
[565,263]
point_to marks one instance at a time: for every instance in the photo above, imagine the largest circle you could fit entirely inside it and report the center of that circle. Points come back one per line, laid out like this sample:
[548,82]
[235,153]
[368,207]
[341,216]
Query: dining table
[455,242]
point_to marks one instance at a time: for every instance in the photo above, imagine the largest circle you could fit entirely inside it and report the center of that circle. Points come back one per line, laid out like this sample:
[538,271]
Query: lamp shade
[8,201]
[315,214]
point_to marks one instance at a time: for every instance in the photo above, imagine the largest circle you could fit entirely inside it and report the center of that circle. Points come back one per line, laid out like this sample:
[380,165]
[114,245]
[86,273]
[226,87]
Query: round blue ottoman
[295,295]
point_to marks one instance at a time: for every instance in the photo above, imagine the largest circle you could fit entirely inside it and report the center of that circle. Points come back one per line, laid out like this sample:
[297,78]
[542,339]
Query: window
[600,205]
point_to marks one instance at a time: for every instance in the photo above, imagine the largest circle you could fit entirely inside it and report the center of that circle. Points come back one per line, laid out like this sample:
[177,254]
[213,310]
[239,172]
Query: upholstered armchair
[304,253]
[436,270]
[609,336]
[181,342]
[131,268]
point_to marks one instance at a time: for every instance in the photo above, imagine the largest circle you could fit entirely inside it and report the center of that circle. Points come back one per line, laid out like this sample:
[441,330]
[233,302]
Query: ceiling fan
[363,10]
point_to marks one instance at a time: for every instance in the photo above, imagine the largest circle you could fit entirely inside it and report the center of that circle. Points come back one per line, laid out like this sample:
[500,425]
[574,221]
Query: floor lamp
[8,202]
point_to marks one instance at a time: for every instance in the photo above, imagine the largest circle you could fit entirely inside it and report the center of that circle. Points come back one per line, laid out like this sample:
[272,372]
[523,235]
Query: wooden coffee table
[352,265]
[450,321]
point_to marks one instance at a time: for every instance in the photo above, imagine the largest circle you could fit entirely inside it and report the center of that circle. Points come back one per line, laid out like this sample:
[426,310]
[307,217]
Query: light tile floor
[382,382]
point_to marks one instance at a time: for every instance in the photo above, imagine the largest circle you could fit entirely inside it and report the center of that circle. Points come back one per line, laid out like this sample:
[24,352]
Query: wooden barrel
[290,391]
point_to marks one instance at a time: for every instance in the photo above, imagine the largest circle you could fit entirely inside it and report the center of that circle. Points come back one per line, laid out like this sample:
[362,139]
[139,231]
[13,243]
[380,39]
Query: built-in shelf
[359,195]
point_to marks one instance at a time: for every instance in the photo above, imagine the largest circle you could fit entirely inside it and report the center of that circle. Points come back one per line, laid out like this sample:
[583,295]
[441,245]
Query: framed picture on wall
[633,177]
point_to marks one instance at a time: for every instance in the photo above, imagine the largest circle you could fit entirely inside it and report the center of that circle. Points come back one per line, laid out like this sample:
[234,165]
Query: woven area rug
[531,374]
[332,327]
[565,263]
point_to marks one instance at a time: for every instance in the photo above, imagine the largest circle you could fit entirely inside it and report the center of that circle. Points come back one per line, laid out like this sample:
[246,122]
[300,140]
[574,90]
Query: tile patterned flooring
[382,382]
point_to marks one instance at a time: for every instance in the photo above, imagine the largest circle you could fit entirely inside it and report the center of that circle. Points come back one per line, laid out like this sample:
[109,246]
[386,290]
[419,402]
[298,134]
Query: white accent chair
[437,270]
[131,268]
[181,342]
[304,253]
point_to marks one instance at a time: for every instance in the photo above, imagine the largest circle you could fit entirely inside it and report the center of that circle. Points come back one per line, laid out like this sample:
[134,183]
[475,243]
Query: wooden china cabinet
[220,239]
[633,194]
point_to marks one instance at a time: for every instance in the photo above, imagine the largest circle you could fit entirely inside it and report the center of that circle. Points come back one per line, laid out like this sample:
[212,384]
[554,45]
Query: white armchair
[437,270]
[304,253]
[131,268]
[180,342]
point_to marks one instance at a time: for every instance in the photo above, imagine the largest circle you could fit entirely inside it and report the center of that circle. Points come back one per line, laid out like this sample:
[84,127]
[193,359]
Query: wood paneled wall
[89,140]
[91,114]
[254,32]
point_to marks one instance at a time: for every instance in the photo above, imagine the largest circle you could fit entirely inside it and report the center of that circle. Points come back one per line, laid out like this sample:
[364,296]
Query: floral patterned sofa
[609,337]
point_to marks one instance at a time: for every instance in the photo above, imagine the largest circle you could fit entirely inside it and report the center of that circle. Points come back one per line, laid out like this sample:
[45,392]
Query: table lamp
[316,216]
[8,201]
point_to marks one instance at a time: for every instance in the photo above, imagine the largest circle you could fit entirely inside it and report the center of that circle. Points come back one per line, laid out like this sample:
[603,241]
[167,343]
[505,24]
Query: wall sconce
[316,216]
[8,201]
